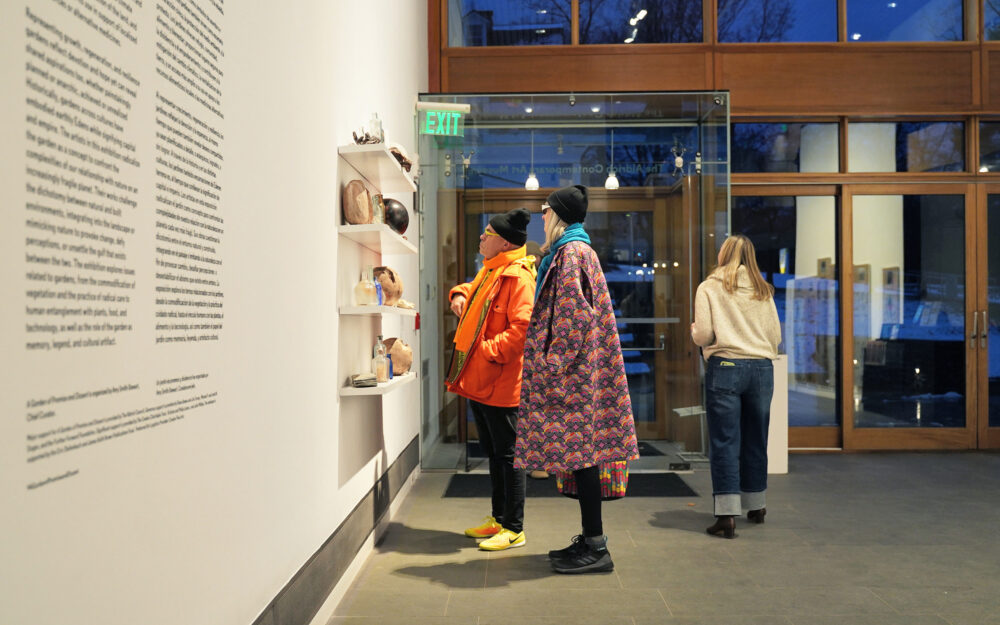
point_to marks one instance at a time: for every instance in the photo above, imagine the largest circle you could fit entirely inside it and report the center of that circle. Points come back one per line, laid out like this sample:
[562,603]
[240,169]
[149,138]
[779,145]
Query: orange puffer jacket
[492,373]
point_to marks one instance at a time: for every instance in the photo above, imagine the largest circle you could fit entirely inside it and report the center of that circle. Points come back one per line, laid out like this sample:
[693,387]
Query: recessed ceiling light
[595,109]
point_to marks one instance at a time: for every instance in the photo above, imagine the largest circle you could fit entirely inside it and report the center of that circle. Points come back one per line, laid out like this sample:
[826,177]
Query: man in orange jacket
[494,310]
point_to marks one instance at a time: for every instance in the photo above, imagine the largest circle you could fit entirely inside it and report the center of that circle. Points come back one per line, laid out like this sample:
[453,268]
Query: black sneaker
[589,560]
[575,547]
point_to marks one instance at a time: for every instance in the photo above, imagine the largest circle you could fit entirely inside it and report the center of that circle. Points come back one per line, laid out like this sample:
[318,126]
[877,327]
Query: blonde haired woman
[576,416]
[736,324]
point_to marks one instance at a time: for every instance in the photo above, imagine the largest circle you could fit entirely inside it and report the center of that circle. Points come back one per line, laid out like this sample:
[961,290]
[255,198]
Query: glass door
[909,311]
[985,334]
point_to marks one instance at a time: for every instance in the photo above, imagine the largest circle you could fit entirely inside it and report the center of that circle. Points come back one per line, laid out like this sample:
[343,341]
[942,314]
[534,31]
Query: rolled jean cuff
[753,501]
[727,504]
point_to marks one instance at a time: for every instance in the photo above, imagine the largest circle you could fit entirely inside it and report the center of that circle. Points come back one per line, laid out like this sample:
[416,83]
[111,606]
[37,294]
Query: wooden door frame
[988,438]
[901,438]
[804,437]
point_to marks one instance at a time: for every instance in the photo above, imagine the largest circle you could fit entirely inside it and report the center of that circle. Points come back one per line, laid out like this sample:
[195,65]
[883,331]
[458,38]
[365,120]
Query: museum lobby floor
[880,538]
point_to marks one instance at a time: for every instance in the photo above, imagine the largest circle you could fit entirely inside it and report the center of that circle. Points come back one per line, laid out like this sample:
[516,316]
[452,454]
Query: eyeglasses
[490,234]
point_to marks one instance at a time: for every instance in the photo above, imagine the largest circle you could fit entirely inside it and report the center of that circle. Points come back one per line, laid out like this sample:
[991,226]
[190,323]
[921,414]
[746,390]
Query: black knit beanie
[570,203]
[512,225]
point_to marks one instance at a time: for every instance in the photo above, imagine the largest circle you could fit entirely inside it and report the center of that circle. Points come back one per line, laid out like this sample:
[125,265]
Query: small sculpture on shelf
[365,138]
[374,133]
[401,355]
[392,285]
[357,203]
[400,155]
[395,215]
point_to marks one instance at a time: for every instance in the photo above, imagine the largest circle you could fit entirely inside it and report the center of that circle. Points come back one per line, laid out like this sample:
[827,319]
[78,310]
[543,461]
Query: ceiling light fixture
[641,14]
[531,184]
[612,182]
[983,169]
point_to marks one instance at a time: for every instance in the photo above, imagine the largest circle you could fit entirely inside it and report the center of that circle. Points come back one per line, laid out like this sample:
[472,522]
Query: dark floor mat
[639,485]
[645,450]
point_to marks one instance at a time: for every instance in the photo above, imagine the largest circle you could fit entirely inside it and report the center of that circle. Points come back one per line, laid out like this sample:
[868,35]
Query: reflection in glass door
[909,322]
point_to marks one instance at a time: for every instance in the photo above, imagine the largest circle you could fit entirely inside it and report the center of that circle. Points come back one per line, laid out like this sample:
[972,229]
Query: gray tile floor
[903,538]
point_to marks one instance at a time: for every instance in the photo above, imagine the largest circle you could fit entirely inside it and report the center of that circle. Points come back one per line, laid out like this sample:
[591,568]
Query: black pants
[497,432]
[588,489]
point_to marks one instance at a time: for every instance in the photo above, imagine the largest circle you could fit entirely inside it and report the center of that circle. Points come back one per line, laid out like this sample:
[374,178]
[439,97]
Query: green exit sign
[446,123]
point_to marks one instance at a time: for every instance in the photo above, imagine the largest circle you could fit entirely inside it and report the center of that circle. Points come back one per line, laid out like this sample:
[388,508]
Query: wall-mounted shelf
[379,167]
[379,389]
[377,310]
[379,238]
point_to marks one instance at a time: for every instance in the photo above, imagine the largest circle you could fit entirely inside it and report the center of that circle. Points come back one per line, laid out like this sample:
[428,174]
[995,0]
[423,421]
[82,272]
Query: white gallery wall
[173,445]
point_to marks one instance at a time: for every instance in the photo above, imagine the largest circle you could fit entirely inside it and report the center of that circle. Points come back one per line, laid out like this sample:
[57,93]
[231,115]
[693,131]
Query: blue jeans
[738,406]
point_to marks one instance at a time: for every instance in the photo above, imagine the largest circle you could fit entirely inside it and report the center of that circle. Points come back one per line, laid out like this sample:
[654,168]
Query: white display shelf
[379,238]
[379,167]
[379,389]
[377,310]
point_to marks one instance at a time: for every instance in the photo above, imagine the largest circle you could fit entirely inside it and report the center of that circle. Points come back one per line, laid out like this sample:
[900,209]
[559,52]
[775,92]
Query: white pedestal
[777,438]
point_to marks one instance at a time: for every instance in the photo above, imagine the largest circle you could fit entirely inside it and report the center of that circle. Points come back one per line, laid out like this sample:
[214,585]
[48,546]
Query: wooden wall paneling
[845,262]
[991,78]
[581,68]
[814,438]
[909,438]
[972,10]
[842,20]
[859,78]
[574,28]
[972,145]
[436,25]
[710,20]
[975,294]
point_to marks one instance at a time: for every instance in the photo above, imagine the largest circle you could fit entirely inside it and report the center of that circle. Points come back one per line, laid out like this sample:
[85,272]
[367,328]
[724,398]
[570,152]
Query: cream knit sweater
[734,325]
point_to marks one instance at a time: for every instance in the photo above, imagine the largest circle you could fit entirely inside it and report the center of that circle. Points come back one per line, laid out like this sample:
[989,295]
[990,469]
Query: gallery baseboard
[316,589]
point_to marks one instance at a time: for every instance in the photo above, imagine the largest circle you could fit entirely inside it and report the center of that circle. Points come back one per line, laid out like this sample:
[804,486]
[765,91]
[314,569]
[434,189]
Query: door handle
[983,332]
[975,331]
[662,347]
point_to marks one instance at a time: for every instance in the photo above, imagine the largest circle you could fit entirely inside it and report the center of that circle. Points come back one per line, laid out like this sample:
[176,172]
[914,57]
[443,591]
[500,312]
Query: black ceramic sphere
[396,216]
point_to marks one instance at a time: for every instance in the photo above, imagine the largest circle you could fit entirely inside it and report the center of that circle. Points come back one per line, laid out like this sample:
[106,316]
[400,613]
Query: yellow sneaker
[489,527]
[506,539]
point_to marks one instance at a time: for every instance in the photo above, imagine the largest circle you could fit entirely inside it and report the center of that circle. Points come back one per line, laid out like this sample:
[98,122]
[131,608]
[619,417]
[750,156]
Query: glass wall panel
[989,145]
[906,146]
[909,311]
[777,20]
[785,148]
[508,22]
[991,20]
[650,234]
[627,21]
[905,20]
[796,243]
[993,304]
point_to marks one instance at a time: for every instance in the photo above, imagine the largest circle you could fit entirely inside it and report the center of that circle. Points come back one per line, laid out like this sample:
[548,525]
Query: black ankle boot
[725,527]
[757,516]
[586,560]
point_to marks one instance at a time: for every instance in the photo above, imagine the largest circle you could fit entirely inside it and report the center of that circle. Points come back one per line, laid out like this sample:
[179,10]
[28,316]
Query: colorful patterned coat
[575,408]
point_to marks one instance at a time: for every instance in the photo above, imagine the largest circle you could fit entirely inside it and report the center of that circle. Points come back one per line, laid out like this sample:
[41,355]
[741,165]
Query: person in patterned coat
[575,413]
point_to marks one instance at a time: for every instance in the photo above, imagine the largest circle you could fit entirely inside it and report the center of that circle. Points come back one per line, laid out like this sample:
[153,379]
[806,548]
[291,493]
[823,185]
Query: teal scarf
[574,232]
